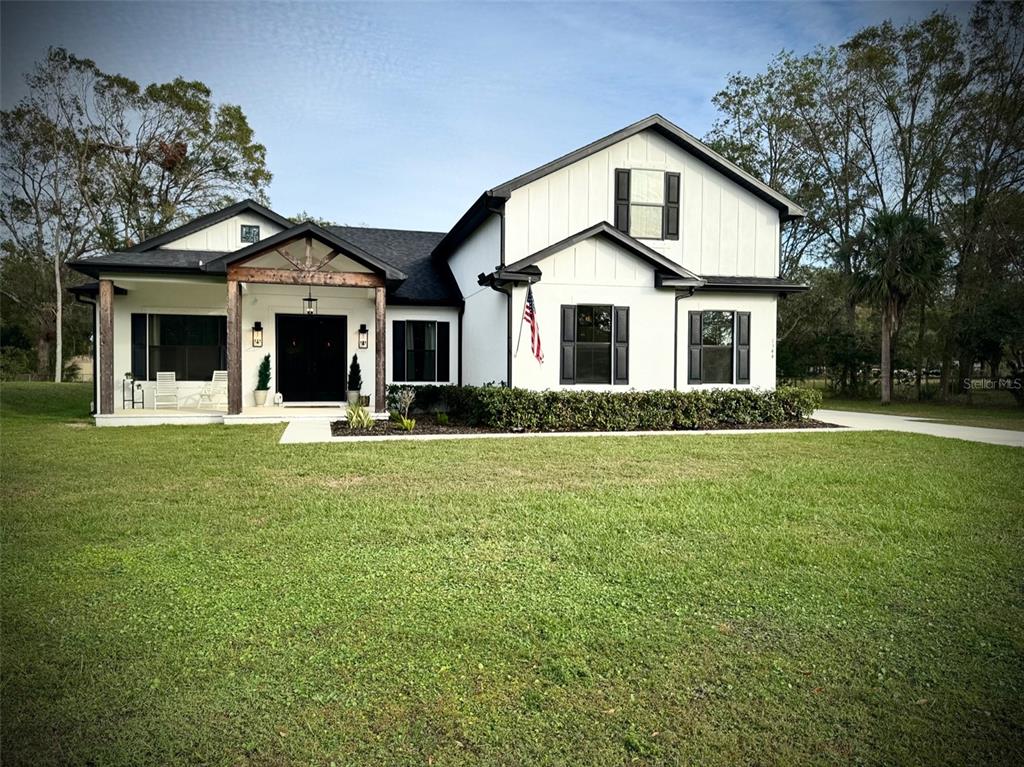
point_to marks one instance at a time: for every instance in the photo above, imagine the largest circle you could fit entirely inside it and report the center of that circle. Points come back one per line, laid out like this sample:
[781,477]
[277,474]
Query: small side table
[129,387]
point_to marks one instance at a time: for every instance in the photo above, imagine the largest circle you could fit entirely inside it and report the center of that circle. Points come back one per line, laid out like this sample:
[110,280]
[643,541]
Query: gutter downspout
[462,311]
[95,350]
[675,339]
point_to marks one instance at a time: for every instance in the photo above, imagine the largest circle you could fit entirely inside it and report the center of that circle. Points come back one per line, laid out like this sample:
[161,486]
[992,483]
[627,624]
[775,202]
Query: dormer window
[647,203]
[250,233]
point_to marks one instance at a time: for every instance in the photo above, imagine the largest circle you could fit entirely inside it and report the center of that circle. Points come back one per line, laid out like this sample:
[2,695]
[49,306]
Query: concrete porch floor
[197,416]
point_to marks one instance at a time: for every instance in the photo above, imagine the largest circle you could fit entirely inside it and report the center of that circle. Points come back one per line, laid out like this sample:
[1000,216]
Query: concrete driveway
[878,422]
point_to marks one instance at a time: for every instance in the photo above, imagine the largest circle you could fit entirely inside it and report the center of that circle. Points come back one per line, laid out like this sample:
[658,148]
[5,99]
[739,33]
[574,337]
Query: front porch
[197,416]
[305,298]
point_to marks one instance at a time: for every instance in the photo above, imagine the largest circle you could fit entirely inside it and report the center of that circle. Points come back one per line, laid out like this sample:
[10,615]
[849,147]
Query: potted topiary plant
[262,382]
[355,381]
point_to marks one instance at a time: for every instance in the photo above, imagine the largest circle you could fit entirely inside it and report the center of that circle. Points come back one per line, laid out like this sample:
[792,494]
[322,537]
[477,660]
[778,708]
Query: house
[653,263]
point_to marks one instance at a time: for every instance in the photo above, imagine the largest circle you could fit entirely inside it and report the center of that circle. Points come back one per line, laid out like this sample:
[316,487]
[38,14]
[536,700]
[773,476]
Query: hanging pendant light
[309,303]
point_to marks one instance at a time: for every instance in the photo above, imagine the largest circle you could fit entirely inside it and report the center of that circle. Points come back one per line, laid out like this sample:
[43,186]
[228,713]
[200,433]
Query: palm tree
[903,257]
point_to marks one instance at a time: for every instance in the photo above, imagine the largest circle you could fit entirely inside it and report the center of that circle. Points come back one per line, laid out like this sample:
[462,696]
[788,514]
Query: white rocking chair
[166,391]
[216,390]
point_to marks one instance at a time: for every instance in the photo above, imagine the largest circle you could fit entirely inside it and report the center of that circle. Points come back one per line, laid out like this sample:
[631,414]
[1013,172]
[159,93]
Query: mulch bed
[424,426]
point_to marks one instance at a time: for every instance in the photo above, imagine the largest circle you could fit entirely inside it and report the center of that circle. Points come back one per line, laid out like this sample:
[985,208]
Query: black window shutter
[742,347]
[693,358]
[139,350]
[443,351]
[670,222]
[621,374]
[567,374]
[622,200]
[398,350]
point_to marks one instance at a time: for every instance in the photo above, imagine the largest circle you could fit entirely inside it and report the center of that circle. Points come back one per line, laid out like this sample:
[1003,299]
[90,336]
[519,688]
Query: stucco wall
[724,229]
[485,322]
[762,310]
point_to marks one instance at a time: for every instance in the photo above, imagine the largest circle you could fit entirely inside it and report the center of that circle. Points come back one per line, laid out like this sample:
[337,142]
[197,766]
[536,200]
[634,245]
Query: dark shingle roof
[158,259]
[426,281]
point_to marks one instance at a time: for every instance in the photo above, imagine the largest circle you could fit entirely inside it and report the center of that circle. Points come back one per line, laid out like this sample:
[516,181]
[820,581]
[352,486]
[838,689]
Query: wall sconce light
[364,336]
[309,303]
[257,335]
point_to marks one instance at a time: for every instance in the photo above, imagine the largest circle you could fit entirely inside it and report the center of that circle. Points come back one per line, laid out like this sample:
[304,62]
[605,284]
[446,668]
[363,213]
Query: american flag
[530,317]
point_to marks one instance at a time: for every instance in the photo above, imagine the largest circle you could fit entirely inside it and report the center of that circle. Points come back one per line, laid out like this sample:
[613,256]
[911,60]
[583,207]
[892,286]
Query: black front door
[311,358]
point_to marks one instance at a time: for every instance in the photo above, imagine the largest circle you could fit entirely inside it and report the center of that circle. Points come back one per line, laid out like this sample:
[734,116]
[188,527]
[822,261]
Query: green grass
[993,411]
[204,595]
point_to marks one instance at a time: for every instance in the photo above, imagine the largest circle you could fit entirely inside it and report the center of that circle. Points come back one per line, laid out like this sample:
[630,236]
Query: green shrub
[507,409]
[406,424]
[442,419]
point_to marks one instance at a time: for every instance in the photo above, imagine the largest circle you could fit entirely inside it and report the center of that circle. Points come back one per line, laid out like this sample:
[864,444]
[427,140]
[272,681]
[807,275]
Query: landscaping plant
[263,374]
[359,417]
[355,375]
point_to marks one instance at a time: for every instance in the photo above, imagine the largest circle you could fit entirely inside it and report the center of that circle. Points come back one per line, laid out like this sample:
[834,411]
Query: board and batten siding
[226,235]
[724,229]
[485,317]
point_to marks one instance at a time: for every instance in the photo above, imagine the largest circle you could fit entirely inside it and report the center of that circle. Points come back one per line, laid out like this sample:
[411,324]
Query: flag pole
[522,319]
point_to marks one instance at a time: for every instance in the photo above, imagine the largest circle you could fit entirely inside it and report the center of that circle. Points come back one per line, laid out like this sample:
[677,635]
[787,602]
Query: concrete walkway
[310,430]
[880,422]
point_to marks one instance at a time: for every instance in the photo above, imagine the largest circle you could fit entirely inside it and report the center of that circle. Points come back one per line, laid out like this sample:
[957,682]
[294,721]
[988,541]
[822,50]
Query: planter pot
[353,397]
[261,397]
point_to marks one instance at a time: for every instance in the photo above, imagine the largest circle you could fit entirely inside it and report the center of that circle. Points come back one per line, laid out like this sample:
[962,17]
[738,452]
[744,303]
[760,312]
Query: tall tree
[987,176]
[91,161]
[903,259]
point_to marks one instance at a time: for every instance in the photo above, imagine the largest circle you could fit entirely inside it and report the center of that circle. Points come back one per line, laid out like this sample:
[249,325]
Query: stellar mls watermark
[1001,384]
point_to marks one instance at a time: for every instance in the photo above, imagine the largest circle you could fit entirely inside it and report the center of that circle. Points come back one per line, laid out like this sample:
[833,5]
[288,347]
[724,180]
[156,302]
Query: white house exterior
[653,264]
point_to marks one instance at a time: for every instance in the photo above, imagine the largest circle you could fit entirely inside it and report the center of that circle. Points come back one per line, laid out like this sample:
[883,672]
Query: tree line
[92,162]
[904,144]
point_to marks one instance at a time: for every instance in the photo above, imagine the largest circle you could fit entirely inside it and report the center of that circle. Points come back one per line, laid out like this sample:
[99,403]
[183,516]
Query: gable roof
[623,240]
[316,232]
[425,281]
[786,207]
[210,219]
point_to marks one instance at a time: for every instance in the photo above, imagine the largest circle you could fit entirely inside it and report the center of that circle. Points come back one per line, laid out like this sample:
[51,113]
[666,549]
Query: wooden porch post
[380,398]
[234,348]
[106,347]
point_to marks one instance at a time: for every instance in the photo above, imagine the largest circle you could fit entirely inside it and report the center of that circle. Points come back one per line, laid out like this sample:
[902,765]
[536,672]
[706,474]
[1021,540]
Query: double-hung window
[719,347]
[420,351]
[191,346]
[647,203]
[595,344]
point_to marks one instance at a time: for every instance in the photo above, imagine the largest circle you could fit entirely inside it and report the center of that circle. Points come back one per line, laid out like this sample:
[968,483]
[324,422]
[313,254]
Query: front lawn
[204,595]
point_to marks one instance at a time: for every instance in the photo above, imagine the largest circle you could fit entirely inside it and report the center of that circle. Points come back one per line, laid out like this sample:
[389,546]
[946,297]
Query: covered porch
[195,416]
[304,297]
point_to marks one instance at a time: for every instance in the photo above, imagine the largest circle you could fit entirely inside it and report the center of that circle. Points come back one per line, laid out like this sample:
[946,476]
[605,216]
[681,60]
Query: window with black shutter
[594,344]
[140,356]
[647,203]
[718,347]
[420,351]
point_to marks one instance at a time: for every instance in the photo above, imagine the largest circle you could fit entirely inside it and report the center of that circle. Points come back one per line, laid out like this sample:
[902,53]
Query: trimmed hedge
[504,409]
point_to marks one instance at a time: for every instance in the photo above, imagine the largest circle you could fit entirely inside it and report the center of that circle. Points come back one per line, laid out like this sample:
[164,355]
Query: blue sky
[400,114]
